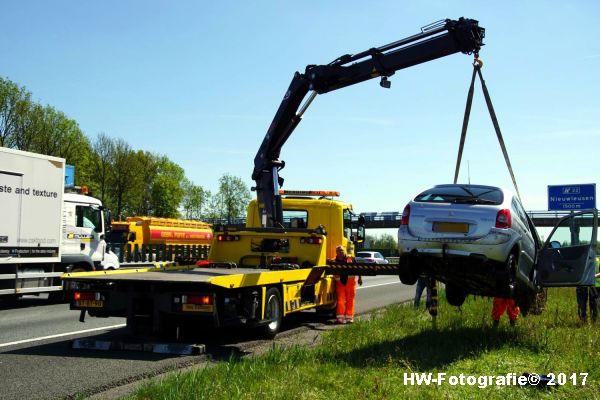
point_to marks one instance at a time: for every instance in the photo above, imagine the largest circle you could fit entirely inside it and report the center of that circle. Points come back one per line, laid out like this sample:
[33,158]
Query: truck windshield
[88,217]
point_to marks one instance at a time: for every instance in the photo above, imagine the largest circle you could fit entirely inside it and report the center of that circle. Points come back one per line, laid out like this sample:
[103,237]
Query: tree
[167,191]
[13,103]
[103,150]
[195,200]
[232,198]
[28,125]
[122,173]
[385,241]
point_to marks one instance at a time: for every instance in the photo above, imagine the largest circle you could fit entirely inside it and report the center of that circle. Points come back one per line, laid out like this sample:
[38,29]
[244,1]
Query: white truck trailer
[44,231]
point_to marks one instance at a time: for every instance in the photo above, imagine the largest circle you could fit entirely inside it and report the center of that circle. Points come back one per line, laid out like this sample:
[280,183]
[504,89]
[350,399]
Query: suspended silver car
[478,239]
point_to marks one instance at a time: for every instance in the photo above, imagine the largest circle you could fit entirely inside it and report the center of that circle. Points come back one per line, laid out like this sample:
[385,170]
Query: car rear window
[461,194]
[362,254]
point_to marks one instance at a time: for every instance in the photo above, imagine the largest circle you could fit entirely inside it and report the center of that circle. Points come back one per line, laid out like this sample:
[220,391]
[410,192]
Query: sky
[200,82]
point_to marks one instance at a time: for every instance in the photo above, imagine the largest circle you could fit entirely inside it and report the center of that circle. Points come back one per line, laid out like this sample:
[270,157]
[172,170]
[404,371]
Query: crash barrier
[152,253]
[391,219]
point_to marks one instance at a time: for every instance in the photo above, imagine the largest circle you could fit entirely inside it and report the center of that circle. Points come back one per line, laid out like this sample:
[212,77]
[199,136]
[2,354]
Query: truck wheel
[272,313]
[76,268]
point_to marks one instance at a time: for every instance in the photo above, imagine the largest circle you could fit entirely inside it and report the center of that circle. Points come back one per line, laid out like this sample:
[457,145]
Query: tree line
[128,181]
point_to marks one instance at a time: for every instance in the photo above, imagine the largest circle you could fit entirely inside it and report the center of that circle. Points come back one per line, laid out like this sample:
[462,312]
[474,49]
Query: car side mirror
[555,244]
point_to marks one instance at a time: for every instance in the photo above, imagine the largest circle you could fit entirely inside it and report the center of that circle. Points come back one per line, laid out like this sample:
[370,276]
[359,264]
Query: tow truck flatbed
[225,277]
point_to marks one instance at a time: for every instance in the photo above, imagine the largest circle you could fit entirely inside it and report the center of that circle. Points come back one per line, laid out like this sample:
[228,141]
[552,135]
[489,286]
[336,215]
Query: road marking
[61,335]
[379,284]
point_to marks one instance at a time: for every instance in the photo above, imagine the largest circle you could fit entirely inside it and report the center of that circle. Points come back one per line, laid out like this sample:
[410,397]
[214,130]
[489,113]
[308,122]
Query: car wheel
[511,269]
[455,296]
[539,302]
[272,313]
[506,278]
[408,277]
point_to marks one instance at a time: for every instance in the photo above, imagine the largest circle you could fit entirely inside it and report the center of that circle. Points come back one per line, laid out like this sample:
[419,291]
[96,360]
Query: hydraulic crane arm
[437,40]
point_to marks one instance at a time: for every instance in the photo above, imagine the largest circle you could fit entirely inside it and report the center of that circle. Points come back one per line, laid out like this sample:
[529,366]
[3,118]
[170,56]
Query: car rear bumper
[495,246]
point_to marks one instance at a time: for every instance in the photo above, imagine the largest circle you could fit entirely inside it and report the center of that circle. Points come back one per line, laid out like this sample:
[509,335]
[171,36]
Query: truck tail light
[228,238]
[78,296]
[204,300]
[503,219]
[203,263]
[311,240]
[405,215]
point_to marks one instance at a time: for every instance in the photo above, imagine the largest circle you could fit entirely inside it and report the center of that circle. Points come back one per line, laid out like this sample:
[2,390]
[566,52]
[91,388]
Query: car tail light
[405,215]
[228,238]
[311,240]
[77,296]
[203,263]
[503,219]
[205,300]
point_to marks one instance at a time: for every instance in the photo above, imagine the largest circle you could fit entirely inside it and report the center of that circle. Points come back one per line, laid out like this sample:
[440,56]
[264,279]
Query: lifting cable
[477,64]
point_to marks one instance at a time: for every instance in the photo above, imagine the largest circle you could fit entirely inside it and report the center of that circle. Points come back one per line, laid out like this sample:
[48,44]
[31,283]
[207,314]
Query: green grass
[368,360]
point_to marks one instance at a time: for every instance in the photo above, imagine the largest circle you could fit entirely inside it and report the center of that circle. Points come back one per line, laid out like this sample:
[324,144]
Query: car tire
[408,277]
[455,296]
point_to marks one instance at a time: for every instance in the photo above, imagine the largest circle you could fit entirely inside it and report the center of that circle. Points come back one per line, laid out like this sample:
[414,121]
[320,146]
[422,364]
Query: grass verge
[370,359]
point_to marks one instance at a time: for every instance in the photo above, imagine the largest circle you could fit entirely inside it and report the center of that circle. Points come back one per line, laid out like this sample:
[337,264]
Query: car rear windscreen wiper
[472,200]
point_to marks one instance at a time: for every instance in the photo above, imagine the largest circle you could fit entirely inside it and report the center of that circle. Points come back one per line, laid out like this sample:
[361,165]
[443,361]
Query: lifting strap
[477,71]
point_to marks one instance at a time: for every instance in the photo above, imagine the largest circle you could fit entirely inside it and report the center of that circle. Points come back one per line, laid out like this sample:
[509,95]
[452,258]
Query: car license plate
[453,227]
[90,303]
[197,308]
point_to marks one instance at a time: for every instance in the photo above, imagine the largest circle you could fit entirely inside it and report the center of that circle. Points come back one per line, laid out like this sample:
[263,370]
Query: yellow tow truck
[253,277]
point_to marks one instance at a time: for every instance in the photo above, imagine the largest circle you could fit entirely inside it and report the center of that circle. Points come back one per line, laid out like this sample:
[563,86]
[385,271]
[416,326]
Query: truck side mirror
[360,234]
[107,219]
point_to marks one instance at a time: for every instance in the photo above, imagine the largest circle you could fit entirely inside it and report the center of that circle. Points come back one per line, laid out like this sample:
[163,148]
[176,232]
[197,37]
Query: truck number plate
[197,308]
[450,227]
[89,303]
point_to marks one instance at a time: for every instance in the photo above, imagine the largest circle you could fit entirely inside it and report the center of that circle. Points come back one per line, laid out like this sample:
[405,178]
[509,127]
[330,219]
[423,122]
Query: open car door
[568,258]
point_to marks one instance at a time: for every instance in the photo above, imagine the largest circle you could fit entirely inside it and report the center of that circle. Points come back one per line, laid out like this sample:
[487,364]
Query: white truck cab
[85,225]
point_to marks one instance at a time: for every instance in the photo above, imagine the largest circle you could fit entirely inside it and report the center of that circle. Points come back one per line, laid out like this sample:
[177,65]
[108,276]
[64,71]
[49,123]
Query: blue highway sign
[571,197]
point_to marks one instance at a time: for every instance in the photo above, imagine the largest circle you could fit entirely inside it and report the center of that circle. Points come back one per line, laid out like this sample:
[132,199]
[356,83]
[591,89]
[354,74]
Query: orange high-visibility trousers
[345,298]
[500,305]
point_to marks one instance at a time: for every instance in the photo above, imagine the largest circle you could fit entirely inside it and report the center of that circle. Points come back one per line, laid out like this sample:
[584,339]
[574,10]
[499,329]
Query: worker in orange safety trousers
[500,305]
[345,289]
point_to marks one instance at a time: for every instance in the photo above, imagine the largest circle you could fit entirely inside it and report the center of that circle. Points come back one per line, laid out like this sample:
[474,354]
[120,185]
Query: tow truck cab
[314,224]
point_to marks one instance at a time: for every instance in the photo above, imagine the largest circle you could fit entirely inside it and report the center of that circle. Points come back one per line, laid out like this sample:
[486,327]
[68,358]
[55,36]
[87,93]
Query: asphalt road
[37,361]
